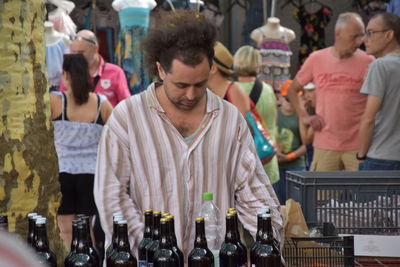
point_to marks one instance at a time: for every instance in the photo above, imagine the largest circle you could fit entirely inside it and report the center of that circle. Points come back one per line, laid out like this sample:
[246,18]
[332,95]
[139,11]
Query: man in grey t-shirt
[379,132]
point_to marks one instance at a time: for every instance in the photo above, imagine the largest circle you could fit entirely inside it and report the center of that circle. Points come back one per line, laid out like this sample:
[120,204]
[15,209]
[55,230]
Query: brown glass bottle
[114,238]
[230,255]
[165,256]
[81,256]
[123,256]
[267,254]
[45,255]
[256,244]
[31,228]
[174,242]
[242,247]
[152,247]
[200,256]
[74,243]
[147,237]
[92,250]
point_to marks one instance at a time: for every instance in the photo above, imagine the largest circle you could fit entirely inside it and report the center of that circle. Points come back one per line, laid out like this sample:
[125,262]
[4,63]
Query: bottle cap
[149,210]
[118,218]
[164,220]
[199,219]
[122,222]
[157,212]
[165,214]
[208,196]
[30,215]
[117,214]
[41,220]
[266,215]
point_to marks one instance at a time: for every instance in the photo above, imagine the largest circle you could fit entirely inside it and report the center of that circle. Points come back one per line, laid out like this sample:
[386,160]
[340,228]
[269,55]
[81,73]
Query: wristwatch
[361,158]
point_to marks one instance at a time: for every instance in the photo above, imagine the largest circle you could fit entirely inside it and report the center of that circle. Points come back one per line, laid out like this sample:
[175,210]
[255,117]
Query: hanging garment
[313,29]
[128,54]
[394,7]
[275,61]
[54,61]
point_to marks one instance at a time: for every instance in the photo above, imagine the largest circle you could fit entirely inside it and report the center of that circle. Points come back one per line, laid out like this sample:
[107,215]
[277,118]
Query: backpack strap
[256,91]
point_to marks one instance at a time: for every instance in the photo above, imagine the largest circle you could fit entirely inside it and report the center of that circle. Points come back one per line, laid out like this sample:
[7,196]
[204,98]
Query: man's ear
[390,35]
[213,69]
[161,71]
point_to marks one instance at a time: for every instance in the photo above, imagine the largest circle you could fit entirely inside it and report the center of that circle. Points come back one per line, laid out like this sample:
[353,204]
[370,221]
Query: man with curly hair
[163,148]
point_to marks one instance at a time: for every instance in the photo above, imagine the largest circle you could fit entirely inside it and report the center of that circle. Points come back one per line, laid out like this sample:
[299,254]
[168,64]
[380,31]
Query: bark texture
[28,161]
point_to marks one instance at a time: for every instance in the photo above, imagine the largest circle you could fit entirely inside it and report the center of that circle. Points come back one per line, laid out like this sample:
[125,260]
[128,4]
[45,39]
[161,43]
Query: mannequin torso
[272,30]
[52,36]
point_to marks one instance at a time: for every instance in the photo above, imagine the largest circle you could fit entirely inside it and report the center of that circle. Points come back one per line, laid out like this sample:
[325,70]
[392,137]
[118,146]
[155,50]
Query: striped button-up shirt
[145,163]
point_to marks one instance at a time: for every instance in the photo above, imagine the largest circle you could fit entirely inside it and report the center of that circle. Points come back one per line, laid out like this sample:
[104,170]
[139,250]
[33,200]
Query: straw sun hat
[223,59]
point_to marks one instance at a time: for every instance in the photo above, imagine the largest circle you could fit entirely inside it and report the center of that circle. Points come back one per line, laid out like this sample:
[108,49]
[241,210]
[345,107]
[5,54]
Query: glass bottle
[148,231]
[46,256]
[114,239]
[74,243]
[267,254]
[174,242]
[31,228]
[200,256]
[82,255]
[230,254]
[123,255]
[165,256]
[242,247]
[152,247]
[92,251]
[256,244]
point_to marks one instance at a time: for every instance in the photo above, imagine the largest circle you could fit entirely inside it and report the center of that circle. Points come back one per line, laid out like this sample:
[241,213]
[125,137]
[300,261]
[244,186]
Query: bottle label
[142,263]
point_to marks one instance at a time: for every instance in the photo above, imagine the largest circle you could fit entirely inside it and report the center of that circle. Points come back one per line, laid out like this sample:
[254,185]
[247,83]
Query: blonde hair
[247,61]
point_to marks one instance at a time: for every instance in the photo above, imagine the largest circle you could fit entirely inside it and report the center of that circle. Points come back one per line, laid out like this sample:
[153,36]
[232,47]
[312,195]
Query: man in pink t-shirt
[338,73]
[109,79]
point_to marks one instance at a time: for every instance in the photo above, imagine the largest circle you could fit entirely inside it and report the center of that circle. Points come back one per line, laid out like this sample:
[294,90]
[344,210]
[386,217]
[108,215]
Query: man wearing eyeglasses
[337,73]
[109,79]
[380,128]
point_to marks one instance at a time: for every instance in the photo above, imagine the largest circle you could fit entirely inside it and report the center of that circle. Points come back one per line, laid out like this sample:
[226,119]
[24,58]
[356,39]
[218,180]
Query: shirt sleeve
[374,83]
[305,74]
[122,91]
[253,190]
[112,181]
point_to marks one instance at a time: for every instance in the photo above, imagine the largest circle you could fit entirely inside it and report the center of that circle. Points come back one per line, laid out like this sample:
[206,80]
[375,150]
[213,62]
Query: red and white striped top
[144,163]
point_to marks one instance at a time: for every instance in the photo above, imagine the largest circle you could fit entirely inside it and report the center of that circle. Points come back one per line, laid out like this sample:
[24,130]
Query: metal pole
[273,8]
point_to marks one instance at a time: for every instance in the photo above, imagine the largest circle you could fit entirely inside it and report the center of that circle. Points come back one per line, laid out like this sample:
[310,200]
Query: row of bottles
[38,240]
[159,244]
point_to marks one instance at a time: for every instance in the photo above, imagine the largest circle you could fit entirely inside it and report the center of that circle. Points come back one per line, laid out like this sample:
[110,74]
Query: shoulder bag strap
[256,91]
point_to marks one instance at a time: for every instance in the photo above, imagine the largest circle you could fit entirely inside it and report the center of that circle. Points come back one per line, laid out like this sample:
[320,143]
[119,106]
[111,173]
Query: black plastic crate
[365,202]
[319,251]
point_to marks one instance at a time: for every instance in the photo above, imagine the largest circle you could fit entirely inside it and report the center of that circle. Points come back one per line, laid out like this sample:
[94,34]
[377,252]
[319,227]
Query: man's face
[350,36]
[185,86]
[376,38]
[86,48]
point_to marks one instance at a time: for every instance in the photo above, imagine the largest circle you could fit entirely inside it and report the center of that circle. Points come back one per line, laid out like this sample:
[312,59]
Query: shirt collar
[100,69]
[212,100]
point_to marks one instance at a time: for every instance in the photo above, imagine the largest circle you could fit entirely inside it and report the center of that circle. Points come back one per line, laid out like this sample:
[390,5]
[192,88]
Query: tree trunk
[28,161]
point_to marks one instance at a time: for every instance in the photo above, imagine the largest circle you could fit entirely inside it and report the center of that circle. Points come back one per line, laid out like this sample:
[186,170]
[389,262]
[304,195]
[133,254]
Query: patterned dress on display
[313,29]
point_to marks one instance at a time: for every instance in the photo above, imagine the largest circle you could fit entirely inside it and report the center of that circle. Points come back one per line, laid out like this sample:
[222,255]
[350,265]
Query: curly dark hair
[81,82]
[185,35]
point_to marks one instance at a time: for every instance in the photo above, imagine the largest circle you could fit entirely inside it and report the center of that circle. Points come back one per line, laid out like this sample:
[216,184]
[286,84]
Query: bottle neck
[230,236]
[148,225]
[200,240]
[156,227]
[87,222]
[31,231]
[75,237]
[165,236]
[82,244]
[259,228]
[115,234]
[172,231]
[123,241]
[42,242]
[267,237]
